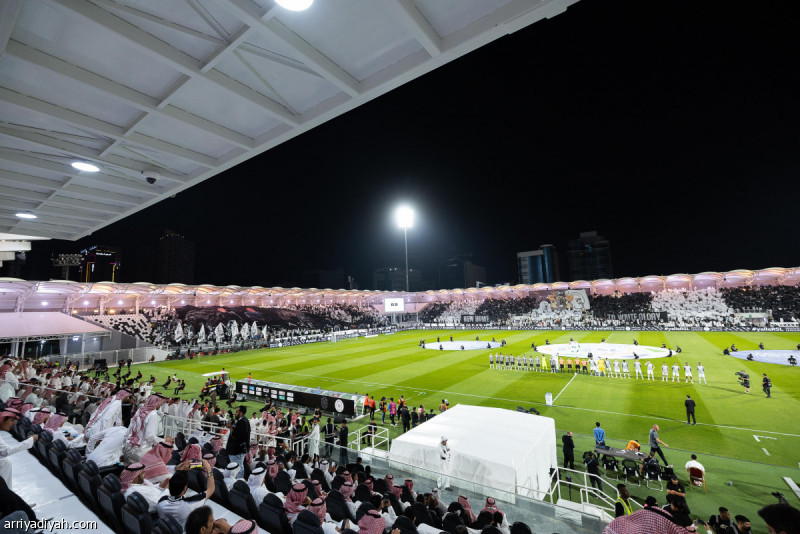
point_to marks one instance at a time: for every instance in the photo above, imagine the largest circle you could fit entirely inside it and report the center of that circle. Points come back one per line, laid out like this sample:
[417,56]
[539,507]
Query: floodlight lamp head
[295,5]
[404,217]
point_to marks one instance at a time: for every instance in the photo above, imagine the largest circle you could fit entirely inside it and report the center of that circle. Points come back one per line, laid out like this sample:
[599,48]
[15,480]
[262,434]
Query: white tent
[502,449]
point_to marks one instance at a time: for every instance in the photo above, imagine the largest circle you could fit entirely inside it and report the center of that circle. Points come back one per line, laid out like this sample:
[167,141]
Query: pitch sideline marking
[508,400]
[765,451]
[565,387]
[765,437]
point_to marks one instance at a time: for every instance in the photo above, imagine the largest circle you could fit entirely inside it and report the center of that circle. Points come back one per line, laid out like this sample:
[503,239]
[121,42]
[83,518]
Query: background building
[100,264]
[589,257]
[538,266]
[394,279]
[175,259]
[455,273]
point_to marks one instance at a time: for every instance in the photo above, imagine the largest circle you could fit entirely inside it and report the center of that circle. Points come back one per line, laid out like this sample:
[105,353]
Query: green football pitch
[745,439]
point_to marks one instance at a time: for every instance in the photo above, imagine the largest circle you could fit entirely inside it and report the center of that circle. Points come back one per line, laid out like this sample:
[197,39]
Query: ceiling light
[295,5]
[25,215]
[86,167]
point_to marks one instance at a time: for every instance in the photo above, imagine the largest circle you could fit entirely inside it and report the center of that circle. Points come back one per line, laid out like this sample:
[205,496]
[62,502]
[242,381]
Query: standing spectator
[405,417]
[330,437]
[569,450]
[766,385]
[392,411]
[130,361]
[623,505]
[372,408]
[655,444]
[414,417]
[239,440]
[593,468]
[383,407]
[344,432]
[599,435]
[689,403]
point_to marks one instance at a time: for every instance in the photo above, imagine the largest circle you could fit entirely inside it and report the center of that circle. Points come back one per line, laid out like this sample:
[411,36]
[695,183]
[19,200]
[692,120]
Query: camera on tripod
[781,499]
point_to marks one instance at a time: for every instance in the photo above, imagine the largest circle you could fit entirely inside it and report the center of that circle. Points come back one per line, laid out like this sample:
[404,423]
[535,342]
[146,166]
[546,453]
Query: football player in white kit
[625,371]
[664,372]
[701,373]
[616,369]
[687,372]
[638,366]
[676,372]
[491,360]
[650,368]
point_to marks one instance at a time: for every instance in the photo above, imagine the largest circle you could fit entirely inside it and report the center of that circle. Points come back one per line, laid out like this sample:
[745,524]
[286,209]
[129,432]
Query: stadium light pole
[405,220]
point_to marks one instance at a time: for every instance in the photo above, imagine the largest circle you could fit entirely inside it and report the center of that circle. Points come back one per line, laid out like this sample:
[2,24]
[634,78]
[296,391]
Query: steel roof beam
[124,94]
[172,57]
[251,15]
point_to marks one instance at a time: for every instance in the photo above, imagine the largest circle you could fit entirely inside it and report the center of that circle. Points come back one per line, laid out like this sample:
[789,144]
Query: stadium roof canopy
[22,295]
[182,90]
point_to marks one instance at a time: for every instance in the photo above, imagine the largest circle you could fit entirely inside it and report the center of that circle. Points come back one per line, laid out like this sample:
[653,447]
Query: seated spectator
[721,523]
[676,494]
[781,518]
[633,445]
[694,464]
[177,506]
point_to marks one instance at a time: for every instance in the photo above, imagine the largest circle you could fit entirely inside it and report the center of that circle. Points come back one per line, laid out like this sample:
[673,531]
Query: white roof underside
[27,324]
[190,88]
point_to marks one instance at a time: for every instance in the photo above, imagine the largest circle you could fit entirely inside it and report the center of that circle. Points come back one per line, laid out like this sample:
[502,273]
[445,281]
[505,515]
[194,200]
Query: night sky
[672,129]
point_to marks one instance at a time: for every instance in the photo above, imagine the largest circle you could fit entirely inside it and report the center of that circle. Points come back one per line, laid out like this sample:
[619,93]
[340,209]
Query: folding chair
[611,466]
[653,473]
[630,470]
[696,475]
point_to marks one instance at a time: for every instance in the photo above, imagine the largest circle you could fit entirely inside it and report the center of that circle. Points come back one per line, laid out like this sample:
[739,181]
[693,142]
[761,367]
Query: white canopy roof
[493,447]
[46,324]
[182,90]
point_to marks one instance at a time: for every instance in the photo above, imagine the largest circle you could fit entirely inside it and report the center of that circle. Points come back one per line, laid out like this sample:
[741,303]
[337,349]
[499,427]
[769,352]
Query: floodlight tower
[405,220]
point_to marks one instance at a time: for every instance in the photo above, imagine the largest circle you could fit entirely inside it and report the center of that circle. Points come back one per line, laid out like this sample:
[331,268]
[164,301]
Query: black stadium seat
[168,525]
[89,480]
[273,516]
[111,500]
[242,501]
[136,515]
[312,491]
[307,523]
[318,475]
[42,446]
[55,455]
[221,495]
[283,482]
[337,507]
[72,465]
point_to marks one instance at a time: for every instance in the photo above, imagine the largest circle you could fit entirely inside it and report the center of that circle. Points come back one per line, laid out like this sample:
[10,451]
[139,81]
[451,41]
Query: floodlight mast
[405,220]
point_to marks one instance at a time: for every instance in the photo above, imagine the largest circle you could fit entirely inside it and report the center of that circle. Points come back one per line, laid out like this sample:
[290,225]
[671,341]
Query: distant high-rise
[176,257]
[538,266]
[589,257]
[100,264]
[457,273]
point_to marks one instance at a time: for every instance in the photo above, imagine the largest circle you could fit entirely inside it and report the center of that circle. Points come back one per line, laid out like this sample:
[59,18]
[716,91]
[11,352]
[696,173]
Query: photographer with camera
[744,380]
[766,385]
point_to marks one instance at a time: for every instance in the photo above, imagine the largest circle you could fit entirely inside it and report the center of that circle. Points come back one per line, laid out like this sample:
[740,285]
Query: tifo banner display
[394,305]
[640,316]
[475,319]
[578,298]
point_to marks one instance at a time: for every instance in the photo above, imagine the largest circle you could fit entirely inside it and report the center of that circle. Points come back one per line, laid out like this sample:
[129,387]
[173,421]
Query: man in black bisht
[239,440]
[569,448]
[344,433]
